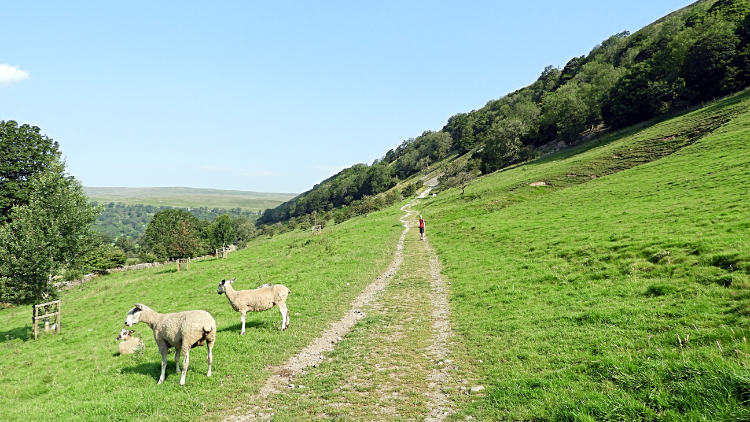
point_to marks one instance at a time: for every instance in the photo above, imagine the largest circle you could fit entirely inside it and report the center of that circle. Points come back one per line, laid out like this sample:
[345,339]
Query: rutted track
[313,354]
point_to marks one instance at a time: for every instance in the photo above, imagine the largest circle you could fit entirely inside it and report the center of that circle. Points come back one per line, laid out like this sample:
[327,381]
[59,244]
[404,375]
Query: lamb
[256,300]
[181,330]
[131,344]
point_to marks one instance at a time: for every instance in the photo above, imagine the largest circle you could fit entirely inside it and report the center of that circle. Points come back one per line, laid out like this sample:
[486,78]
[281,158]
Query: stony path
[386,359]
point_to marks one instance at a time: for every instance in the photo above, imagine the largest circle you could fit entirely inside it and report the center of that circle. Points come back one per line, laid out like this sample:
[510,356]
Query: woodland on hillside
[691,56]
[123,220]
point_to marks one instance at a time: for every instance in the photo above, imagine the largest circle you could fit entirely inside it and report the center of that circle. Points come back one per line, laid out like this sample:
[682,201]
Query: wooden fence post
[33,319]
[43,312]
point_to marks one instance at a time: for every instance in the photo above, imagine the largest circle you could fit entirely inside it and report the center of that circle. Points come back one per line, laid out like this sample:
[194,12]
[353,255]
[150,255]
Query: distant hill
[188,197]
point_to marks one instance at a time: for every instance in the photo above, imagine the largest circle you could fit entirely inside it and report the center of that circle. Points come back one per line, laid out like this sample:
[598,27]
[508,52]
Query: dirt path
[392,365]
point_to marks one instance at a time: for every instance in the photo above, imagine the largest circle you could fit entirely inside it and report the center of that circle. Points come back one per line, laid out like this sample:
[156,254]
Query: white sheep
[181,330]
[256,300]
[131,344]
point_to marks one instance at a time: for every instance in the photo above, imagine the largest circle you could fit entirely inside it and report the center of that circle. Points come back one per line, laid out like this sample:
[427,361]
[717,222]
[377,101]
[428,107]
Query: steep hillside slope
[690,57]
[622,298]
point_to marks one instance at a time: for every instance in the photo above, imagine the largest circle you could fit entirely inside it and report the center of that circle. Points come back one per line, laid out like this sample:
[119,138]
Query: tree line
[691,56]
[117,219]
[175,233]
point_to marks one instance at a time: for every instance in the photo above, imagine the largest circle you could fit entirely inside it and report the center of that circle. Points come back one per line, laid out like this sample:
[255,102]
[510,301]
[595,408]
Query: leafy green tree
[245,229]
[222,232]
[128,245]
[709,59]
[576,106]
[567,110]
[730,10]
[572,68]
[393,196]
[504,142]
[102,257]
[738,74]
[409,190]
[173,233]
[24,152]
[639,96]
[48,233]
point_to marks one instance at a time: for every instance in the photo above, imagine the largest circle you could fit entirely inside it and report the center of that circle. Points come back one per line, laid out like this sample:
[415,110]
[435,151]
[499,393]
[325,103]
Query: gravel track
[437,402]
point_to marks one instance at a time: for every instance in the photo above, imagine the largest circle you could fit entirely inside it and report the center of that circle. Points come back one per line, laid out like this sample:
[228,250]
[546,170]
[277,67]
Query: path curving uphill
[402,354]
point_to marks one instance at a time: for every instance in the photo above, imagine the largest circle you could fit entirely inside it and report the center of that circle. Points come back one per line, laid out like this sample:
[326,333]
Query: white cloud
[10,74]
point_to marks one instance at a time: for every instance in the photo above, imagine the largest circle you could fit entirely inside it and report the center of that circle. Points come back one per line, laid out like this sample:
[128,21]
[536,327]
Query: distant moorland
[188,197]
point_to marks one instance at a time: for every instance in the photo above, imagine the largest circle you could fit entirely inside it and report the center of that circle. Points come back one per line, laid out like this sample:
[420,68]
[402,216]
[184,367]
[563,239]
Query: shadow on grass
[22,333]
[167,271]
[149,368]
[238,327]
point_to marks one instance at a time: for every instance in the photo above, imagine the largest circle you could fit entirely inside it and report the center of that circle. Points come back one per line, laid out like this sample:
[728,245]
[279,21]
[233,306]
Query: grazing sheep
[131,344]
[256,300]
[181,330]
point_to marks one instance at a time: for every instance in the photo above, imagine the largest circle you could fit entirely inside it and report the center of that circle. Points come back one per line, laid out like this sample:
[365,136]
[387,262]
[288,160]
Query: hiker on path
[421,227]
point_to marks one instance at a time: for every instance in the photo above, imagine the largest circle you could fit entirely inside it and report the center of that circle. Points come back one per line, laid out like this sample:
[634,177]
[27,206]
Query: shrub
[409,190]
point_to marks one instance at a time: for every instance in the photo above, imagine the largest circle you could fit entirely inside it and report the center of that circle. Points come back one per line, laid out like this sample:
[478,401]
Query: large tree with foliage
[45,235]
[172,234]
[221,232]
[24,152]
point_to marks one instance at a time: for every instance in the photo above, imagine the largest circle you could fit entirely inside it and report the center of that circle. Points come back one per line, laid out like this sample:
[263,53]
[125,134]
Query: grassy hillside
[617,291]
[623,297]
[189,197]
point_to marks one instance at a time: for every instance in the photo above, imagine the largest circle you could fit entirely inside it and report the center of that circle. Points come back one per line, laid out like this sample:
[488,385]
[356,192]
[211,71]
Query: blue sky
[274,96]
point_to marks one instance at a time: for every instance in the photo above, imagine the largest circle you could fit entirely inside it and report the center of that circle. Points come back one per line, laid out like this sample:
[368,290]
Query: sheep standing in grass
[256,300]
[181,330]
[131,344]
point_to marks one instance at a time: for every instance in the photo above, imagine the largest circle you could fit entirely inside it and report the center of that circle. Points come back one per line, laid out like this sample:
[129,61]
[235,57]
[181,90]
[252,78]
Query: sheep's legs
[284,316]
[185,364]
[163,351]
[177,360]
[243,324]
[210,346]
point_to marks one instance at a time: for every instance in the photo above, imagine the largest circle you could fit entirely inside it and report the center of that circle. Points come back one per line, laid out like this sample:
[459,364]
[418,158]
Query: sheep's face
[133,317]
[223,283]
[125,333]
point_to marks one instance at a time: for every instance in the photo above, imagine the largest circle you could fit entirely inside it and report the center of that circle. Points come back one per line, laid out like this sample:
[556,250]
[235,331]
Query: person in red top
[421,227]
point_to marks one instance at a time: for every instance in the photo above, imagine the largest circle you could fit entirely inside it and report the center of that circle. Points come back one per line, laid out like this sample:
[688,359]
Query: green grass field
[189,197]
[623,297]
[618,291]
[77,375]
